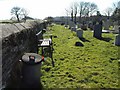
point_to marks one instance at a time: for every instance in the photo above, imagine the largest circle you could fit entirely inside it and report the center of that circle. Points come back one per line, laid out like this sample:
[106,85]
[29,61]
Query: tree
[81,9]
[92,8]
[16,11]
[24,13]
[19,12]
[71,13]
[87,9]
[116,13]
[108,11]
[75,11]
[67,12]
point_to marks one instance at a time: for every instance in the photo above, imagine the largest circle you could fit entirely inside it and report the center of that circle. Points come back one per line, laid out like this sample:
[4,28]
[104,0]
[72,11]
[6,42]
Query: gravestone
[97,31]
[79,25]
[80,33]
[73,29]
[117,39]
[66,26]
[116,27]
[90,25]
[106,25]
[71,24]
[84,27]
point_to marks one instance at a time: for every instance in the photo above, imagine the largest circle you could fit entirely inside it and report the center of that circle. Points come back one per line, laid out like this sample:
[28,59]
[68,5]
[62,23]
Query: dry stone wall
[16,40]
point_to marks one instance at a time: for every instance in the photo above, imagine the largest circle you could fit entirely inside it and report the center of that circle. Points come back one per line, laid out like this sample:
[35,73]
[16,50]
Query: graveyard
[92,64]
[67,44]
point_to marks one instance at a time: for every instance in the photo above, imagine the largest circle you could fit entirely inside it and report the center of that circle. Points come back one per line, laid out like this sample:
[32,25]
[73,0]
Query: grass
[95,65]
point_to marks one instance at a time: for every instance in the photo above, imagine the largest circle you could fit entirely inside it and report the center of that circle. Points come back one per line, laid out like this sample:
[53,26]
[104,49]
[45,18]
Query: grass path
[95,65]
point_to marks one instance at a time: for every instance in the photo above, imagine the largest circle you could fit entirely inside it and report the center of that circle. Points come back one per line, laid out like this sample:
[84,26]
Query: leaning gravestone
[97,31]
[80,33]
[117,39]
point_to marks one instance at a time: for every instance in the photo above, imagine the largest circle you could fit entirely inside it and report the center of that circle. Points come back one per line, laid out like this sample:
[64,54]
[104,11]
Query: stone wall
[16,40]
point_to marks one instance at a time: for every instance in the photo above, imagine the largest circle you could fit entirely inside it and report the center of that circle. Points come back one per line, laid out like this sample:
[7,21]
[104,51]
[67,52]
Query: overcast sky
[43,8]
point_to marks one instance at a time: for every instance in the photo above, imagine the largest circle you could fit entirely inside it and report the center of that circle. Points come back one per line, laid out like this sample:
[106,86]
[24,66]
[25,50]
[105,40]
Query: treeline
[87,9]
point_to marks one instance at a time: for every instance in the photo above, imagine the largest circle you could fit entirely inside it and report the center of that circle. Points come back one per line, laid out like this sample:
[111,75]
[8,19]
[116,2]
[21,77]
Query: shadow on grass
[79,44]
[84,40]
[105,39]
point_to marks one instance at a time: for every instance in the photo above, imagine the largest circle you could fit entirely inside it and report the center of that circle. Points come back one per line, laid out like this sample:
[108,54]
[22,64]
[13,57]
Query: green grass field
[95,65]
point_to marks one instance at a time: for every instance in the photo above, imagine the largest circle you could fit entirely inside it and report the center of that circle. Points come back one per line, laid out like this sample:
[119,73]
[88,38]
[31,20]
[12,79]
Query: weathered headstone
[117,39]
[71,24]
[106,25]
[84,27]
[98,26]
[66,26]
[79,25]
[90,25]
[73,29]
[80,33]
[116,27]
[97,31]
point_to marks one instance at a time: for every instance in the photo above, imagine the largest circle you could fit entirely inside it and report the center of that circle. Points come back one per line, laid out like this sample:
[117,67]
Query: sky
[44,8]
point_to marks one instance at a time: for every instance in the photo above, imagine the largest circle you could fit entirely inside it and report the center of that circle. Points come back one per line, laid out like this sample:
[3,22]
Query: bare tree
[116,5]
[92,8]
[75,11]
[16,11]
[89,9]
[24,13]
[19,12]
[86,9]
[72,13]
[67,12]
[81,7]
[116,13]
[108,12]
